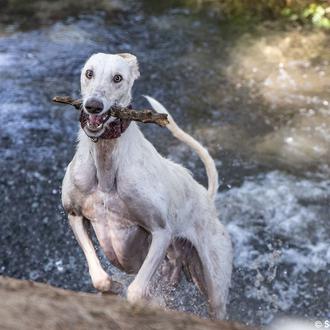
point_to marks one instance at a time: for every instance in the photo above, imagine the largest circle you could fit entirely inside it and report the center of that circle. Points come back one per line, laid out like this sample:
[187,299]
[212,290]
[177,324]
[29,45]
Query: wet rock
[32,13]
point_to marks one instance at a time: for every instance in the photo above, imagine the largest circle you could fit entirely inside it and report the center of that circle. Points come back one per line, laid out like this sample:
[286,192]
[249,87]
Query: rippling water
[258,99]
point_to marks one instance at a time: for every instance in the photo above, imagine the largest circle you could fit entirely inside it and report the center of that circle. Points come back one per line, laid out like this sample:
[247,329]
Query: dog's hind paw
[116,288]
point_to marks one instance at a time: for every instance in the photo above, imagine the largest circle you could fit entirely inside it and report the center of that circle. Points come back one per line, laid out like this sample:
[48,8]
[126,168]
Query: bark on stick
[145,116]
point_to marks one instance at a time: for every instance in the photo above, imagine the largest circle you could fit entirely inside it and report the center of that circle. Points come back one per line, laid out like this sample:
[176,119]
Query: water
[257,98]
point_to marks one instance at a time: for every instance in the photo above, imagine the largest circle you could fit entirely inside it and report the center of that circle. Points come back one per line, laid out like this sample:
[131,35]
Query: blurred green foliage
[315,12]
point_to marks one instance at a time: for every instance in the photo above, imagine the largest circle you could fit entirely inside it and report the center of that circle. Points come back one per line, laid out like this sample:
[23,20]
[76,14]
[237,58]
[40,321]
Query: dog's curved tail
[208,161]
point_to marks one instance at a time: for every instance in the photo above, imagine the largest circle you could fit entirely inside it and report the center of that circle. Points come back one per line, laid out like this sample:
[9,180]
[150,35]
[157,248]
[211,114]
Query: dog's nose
[93,105]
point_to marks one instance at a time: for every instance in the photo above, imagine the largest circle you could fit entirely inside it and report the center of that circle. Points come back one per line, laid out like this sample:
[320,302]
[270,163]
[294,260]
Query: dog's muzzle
[95,123]
[93,105]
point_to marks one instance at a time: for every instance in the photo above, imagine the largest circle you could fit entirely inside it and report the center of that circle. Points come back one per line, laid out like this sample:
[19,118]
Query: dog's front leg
[101,280]
[137,290]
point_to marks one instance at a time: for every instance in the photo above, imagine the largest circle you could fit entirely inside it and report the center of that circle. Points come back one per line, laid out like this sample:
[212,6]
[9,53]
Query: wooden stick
[144,116]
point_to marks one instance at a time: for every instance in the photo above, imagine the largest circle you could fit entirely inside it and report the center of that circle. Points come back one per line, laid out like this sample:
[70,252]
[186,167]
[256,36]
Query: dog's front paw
[103,283]
[137,294]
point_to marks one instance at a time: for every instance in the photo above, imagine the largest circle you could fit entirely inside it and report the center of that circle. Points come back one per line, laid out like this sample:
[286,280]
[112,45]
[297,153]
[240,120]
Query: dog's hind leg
[174,262]
[215,253]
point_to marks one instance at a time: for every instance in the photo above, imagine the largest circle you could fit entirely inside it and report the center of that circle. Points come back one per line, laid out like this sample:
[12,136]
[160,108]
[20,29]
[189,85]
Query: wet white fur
[160,195]
[211,171]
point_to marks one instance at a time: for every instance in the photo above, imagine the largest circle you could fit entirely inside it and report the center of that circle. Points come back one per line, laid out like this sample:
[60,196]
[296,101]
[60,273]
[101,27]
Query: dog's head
[106,81]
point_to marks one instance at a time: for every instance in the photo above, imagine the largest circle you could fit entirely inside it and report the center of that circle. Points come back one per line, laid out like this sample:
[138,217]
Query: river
[258,98]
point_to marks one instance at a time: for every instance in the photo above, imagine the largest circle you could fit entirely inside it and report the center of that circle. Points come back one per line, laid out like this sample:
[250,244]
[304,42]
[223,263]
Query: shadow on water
[257,97]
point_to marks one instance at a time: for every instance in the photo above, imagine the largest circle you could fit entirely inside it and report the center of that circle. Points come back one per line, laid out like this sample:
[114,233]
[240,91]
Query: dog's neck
[106,154]
[103,153]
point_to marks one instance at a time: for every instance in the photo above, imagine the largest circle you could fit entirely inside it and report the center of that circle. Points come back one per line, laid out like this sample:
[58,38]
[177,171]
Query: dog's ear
[133,62]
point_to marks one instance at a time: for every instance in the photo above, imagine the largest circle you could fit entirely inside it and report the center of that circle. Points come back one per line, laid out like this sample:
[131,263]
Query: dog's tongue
[95,120]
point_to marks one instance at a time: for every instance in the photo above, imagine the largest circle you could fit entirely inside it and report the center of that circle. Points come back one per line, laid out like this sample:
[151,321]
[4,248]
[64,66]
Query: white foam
[280,228]
[283,206]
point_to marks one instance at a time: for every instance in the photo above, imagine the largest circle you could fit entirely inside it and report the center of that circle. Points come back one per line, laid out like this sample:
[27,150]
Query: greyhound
[145,209]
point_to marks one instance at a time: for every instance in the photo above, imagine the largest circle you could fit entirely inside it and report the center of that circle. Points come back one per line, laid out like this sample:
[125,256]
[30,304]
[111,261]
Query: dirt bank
[30,305]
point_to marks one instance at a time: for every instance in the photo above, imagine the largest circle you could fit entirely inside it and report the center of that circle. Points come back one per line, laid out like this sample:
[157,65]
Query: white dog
[143,208]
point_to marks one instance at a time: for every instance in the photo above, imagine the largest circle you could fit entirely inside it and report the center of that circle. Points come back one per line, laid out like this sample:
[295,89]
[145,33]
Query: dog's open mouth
[96,122]
[103,125]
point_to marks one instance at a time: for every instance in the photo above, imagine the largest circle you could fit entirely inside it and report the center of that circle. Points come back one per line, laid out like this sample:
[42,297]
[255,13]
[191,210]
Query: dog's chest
[99,206]
[117,232]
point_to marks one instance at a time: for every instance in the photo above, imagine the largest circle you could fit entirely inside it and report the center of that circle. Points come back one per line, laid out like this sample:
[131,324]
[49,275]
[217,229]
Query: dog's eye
[89,74]
[117,78]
